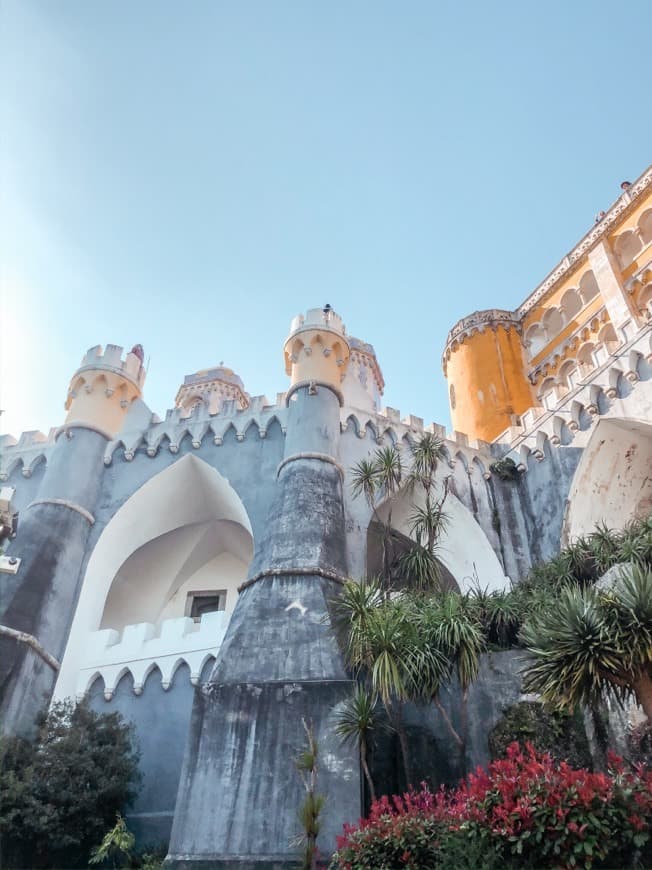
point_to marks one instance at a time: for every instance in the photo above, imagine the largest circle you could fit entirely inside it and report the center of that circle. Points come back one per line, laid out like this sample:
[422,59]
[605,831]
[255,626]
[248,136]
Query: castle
[179,570]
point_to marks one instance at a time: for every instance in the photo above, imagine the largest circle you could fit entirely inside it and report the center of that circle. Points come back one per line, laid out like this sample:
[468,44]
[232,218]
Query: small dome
[212,387]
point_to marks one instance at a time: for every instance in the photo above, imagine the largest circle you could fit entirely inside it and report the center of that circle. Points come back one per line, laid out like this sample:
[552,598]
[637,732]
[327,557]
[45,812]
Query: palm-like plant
[427,452]
[419,568]
[450,626]
[589,642]
[352,612]
[364,481]
[355,722]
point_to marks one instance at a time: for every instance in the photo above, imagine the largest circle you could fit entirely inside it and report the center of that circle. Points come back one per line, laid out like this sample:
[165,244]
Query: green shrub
[60,794]
[557,732]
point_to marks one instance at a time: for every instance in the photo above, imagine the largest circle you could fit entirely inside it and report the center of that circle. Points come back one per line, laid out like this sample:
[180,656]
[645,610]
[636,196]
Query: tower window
[199,603]
[452,396]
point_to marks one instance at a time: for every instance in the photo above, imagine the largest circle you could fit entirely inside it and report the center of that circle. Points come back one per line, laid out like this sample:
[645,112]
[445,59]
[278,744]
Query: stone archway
[465,553]
[184,530]
[613,481]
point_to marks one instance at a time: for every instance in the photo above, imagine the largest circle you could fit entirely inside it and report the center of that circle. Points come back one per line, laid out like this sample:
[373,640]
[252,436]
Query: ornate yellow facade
[499,364]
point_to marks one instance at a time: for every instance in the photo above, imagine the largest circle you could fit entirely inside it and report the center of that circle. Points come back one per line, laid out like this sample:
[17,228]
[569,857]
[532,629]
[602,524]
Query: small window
[452,395]
[199,603]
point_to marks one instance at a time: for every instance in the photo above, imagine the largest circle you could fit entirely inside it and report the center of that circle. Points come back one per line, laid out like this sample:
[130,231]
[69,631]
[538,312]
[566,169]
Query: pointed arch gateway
[185,531]
[465,552]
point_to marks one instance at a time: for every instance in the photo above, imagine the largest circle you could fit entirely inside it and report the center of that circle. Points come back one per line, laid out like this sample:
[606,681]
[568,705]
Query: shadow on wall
[434,755]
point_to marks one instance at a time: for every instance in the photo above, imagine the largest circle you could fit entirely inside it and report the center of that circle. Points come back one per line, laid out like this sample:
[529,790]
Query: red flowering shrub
[524,811]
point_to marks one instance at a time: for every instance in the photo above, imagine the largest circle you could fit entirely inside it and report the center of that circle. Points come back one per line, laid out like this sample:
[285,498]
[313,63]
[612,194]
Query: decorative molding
[492,318]
[322,457]
[293,572]
[82,424]
[310,384]
[65,503]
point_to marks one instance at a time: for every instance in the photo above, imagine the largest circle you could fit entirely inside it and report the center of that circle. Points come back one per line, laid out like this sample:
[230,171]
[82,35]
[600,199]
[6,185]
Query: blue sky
[191,175]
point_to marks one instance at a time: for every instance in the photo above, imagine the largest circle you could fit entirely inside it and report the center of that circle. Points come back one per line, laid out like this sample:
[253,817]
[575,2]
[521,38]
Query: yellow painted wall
[487,373]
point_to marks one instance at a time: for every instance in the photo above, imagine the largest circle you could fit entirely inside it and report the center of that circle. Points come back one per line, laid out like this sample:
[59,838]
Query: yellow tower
[317,349]
[485,366]
[103,388]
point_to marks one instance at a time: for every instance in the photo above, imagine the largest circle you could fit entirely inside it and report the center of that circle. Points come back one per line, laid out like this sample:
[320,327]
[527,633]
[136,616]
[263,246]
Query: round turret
[317,348]
[103,388]
[212,388]
[364,383]
[485,366]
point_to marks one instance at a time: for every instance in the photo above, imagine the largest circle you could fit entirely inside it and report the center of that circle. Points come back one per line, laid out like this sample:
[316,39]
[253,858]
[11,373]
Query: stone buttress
[279,663]
[39,601]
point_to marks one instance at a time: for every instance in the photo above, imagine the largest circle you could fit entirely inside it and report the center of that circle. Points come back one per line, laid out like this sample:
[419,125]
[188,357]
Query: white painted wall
[187,497]
[613,481]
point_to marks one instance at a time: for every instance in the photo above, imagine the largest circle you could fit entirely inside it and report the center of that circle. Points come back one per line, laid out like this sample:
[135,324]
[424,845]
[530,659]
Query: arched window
[608,337]
[588,287]
[535,339]
[552,323]
[571,305]
[585,357]
[547,395]
[645,226]
[568,375]
[627,246]
[644,301]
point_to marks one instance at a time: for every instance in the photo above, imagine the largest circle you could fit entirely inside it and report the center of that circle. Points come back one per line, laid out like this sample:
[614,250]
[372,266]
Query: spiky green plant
[352,611]
[313,803]
[418,567]
[355,721]
[591,641]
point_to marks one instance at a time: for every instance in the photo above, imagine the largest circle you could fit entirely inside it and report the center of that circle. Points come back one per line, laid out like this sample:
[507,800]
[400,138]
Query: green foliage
[505,469]
[553,731]
[358,716]
[591,641]
[525,811]
[313,803]
[60,794]
[382,477]
[117,845]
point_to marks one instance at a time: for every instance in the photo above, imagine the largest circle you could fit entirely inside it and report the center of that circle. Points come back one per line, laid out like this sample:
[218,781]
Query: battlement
[141,648]
[111,359]
[318,318]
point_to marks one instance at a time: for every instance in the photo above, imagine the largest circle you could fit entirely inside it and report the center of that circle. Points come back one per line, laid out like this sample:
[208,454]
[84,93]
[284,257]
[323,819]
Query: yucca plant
[593,641]
[355,721]
[351,613]
[418,567]
[451,627]
[499,614]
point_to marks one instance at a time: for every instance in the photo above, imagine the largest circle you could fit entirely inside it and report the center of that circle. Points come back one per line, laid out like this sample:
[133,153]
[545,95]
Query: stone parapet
[141,648]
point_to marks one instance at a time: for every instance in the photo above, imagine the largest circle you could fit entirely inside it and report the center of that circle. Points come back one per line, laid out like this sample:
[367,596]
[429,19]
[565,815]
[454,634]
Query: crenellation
[140,648]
